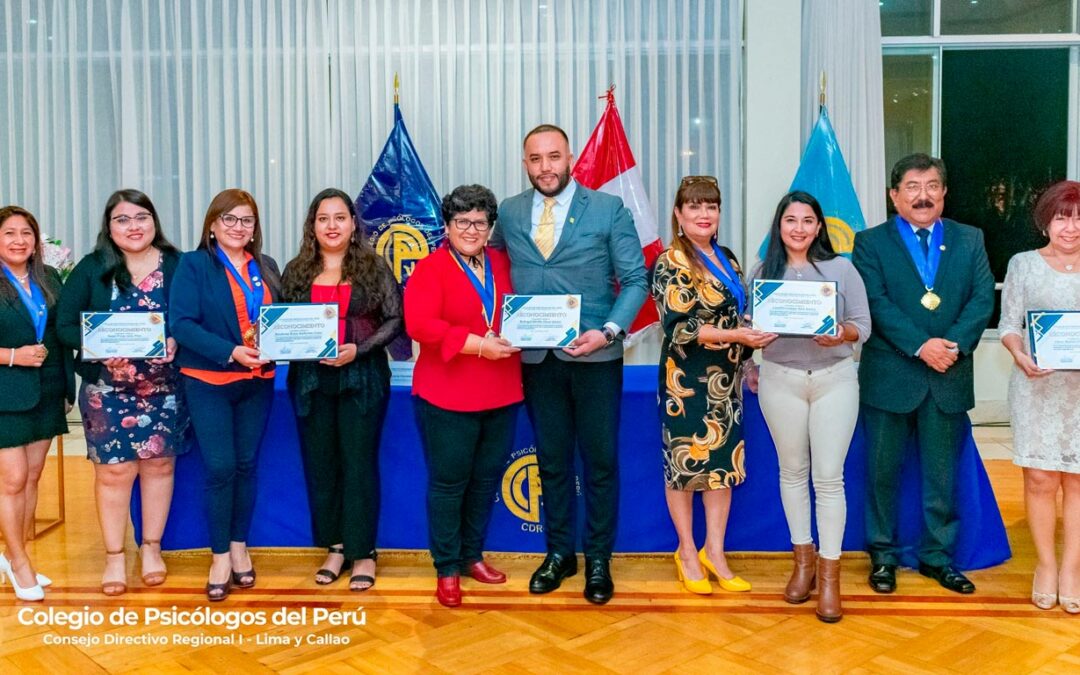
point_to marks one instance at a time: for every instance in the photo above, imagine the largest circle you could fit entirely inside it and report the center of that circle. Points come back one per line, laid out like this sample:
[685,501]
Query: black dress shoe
[552,571]
[948,577]
[883,578]
[598,583]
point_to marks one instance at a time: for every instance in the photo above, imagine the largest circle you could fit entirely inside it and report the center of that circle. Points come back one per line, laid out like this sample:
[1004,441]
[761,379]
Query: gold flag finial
[397,88]
[821,92]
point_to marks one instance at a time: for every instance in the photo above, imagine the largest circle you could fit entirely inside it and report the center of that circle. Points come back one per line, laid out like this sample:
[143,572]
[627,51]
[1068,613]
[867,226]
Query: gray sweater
[851,306]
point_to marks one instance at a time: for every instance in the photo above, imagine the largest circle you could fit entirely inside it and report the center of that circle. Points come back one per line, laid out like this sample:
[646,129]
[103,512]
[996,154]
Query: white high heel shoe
[33,593]
[42,580]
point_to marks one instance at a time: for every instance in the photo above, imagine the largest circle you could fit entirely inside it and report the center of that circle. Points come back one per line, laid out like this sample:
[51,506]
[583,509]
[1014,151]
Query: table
[756,523]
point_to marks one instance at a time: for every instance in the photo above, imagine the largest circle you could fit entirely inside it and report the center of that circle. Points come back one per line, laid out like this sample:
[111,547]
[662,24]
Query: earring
[680,232]
[211,234]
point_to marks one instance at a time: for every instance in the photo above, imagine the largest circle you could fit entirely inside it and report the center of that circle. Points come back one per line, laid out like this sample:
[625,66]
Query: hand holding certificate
[1055,339]
[795,307]
[541,321]
[300,332]
[123,335]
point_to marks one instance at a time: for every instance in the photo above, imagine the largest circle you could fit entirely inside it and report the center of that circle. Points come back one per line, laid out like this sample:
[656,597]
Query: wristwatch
[609,334]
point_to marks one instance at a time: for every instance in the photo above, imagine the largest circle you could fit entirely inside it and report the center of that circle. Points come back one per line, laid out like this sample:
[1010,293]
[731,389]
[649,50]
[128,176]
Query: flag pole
[397,88]
[609,94]
[821,92]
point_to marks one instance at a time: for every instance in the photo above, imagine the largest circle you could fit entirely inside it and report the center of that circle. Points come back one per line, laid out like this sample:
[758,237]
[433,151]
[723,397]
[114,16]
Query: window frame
[936,44]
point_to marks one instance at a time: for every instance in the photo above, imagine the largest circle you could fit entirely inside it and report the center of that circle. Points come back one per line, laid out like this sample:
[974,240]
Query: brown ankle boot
[802,577]
[828,604]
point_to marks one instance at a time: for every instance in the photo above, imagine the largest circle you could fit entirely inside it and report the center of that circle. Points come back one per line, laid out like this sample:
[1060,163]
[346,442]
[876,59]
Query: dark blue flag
[400,212]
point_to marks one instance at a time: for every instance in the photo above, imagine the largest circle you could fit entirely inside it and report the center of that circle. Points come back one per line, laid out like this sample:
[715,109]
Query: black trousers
[229,421]
[939,437]
[576,405]
[339,442]
[465,453]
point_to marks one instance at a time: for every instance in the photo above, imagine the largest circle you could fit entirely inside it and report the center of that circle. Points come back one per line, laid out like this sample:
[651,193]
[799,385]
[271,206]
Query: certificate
[300,332]
[126,335]
[794,307]
[1055,339]
[541,321]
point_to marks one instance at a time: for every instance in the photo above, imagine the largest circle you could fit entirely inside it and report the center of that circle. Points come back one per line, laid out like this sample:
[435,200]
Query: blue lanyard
[728,276]
[926,265]
[34,301]
[253,294]
[486,291]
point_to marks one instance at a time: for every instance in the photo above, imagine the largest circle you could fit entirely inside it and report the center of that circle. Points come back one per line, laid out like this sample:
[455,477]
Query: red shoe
[448,591]
[486,574]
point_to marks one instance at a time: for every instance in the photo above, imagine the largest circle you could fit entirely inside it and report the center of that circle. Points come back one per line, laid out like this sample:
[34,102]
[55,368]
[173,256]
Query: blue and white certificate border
[1040,324]
[270,314]
[763,288]
[92,321]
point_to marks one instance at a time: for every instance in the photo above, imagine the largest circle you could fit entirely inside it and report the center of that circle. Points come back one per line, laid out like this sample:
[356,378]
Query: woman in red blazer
[466,385]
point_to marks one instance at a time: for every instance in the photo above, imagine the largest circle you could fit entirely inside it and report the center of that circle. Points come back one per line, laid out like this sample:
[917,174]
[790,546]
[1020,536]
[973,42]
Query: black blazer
[371,323]
[202,316]
[89,289]
[891,377]
[21,386]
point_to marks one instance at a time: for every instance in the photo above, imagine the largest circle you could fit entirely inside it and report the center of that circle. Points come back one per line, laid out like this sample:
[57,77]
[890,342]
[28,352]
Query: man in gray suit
[566,239]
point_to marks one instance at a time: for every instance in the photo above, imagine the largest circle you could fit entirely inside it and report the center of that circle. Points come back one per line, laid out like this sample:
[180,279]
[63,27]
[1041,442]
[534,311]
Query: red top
[240,302]
[441,309]
[334,294]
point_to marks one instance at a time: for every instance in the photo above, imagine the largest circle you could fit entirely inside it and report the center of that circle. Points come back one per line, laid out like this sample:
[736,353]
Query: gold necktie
[545,229]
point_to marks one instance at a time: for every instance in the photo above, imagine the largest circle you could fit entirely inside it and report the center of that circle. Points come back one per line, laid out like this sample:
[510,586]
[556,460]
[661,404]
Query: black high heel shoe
[330,574]
[364,578]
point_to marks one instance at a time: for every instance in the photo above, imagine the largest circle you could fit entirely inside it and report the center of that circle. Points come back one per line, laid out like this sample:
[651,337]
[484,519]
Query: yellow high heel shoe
[735,584]
[698,586]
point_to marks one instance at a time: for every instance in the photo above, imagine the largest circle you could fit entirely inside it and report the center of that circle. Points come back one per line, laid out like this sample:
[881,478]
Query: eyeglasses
[463,224]
[230,221]
[138,219]
[913,189]
[690,180]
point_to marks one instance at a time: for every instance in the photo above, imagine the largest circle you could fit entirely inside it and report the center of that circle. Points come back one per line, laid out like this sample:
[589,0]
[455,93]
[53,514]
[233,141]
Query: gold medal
[930,300]
[490,333]
[249,334]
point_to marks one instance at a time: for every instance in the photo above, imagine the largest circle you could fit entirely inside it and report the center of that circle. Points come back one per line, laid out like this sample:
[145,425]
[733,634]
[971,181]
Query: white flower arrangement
[57,255]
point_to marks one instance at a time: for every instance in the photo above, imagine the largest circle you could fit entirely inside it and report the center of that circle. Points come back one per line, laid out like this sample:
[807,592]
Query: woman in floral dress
[132,411]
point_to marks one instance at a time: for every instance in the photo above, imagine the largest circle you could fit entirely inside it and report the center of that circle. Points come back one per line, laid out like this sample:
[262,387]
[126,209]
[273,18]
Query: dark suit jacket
[598,255]
[202,316]
[891,377]
[20,387]
[89,289]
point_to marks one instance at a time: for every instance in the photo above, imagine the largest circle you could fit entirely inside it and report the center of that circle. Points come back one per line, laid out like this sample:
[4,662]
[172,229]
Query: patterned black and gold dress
[700,391]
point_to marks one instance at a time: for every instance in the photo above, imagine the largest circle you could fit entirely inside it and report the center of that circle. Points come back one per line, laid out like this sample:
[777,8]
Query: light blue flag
[823,173]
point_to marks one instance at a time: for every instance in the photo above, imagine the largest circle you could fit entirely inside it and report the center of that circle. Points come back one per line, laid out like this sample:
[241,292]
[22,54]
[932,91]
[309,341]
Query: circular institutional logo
[521,487]
[401,242]
[843,239]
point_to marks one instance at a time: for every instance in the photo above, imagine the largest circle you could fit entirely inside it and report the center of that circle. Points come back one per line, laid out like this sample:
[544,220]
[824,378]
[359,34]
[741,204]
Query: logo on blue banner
[521,489]
[401,242]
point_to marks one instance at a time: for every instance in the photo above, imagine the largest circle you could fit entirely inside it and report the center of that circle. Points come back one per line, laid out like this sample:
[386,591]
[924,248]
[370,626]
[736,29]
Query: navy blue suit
[228,419]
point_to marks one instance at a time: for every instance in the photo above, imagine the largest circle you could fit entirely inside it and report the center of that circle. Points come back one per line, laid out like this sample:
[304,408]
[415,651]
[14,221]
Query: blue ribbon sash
[728,276]
[927,265]
[253,294]
[34,302]
[485,291]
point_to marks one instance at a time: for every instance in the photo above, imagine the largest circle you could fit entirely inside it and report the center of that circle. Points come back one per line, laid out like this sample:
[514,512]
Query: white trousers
[811,416]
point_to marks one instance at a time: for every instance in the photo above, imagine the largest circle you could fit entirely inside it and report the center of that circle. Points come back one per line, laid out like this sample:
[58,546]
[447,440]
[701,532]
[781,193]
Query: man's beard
[564,180]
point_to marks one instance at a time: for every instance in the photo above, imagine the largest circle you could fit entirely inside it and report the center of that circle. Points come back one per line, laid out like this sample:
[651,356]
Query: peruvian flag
[607,165]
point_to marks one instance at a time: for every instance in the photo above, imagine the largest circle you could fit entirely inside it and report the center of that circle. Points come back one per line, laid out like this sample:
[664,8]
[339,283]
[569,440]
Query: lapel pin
[571,220]
[943,247]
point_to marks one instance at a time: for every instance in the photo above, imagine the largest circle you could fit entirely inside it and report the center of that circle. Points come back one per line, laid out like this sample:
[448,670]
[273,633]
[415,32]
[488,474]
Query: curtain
[843,39]
[184,98]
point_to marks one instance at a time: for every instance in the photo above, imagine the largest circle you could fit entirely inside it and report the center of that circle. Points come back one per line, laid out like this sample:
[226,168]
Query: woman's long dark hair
[359,268]
[35,266]
[112,258]
[776,258]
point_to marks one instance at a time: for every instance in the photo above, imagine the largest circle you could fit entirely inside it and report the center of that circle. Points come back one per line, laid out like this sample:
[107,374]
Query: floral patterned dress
[136,412]
[700,391]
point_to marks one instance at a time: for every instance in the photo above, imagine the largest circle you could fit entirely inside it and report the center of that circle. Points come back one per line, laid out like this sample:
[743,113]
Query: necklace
[1068,266]
[798,271]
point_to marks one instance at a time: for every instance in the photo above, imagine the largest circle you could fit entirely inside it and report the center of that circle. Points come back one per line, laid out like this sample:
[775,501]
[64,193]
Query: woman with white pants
[809,394]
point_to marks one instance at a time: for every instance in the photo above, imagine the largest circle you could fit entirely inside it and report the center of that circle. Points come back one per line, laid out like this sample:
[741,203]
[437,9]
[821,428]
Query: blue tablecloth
[756,522]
